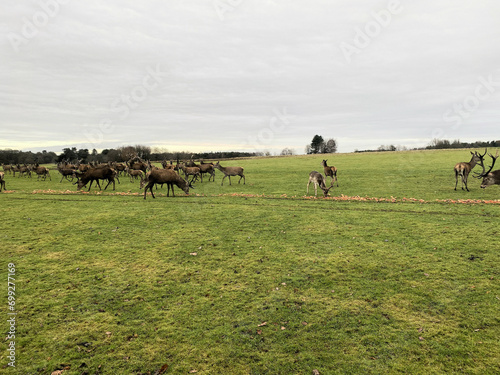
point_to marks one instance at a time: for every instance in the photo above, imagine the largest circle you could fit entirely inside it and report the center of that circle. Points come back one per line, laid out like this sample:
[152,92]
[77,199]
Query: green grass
[257,278]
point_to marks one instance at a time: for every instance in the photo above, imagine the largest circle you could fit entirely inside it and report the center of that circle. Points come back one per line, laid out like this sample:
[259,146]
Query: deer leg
[151,189]
[222,182]
[465,182]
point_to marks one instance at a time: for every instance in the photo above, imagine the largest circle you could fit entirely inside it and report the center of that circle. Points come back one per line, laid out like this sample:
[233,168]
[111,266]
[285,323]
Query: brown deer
[96,174]
[134,174]
[489,177]
[463,169]
[330,171]
[318,179]
[7,168]
[191,171]
[165,176]
[2,181]
[207,168]
[230,171]
[41,172]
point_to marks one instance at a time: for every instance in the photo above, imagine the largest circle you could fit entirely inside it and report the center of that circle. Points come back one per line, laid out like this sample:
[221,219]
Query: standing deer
[230,171]
[7,168]
[42,172]
[330,171]
[489,177]
[207,168]
[165,176]
[2,181]
[463,169]
[318,179]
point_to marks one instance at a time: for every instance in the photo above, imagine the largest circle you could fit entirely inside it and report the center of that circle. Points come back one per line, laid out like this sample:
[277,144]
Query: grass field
[394,273]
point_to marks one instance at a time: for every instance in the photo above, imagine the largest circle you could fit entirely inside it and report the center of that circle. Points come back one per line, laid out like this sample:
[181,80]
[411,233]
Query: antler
[484,174]
[481,163]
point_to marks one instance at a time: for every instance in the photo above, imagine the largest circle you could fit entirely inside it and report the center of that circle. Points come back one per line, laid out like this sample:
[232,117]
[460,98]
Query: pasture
[394,273]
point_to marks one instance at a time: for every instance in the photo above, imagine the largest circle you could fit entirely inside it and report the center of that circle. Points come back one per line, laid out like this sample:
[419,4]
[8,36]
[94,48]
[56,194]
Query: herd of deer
[150,175]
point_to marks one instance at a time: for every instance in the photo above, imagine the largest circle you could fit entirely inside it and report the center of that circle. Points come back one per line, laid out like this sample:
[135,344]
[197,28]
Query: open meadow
[394,273]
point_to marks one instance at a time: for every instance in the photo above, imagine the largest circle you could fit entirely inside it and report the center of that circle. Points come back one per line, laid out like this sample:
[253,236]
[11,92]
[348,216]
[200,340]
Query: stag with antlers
[489,177]
[463,169]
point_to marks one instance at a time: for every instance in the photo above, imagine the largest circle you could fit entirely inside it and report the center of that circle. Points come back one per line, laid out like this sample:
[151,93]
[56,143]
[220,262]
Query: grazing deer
[463,169]
[230,171]
[330,171]
[165,176]
[2,181]
[318,179]
[489,177]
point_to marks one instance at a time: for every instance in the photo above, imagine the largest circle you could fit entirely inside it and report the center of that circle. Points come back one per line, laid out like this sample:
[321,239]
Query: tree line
[120,154]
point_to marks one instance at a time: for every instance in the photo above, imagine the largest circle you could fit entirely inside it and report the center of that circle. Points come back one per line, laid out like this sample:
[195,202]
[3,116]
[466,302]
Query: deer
[23,170]
[7,168]
[96,174]
[137,165]
[207,168]
[41,172]
[489,177]
[191,171]
[134,173]
[230,171]
[330,171]
[463,169]
[318,180]
[2,181]
[66,172]
[165,176]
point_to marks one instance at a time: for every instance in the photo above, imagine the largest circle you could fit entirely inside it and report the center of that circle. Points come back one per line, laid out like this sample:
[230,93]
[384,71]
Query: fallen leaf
[315,372]
[262,324]
[162,369]
[421,338]
[193,254]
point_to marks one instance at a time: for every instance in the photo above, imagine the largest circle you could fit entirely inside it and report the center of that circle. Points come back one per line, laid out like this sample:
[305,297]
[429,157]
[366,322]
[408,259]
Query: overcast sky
[246,74]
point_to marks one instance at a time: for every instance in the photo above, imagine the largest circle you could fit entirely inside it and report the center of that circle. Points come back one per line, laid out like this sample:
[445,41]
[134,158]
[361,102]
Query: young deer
[330,171]
[230,171]
[318,179]
[463,169]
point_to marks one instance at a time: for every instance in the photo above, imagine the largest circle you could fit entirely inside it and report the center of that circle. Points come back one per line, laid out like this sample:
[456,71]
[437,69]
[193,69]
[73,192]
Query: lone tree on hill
[316,144]
[319,146]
